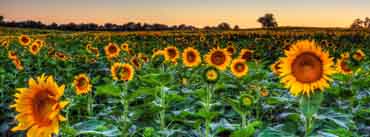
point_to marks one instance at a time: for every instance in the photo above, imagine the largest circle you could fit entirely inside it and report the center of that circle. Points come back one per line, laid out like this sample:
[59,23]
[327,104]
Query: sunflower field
[284,82]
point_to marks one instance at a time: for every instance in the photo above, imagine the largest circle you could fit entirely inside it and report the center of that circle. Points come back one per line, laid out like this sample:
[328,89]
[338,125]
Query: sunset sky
[316,13]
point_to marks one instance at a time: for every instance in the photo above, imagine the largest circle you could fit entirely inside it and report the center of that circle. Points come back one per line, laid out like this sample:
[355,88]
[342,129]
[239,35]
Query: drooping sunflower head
[306,68]
[239,68]
[111,50]
[24,40]
[218,58]
[34,48]
[124,72]
[246,54]
[191,57]
[276,67]
[359,55]
[171,53]
[38,107]
[82,84]
[211,75]
[61,56]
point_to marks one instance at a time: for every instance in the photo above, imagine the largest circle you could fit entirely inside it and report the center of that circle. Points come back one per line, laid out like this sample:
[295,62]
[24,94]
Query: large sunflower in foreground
[82,84]
[171,53]
[123,72]
[191,57]
[239,68]
[342,65]
[218,58]
[306,68]
[39,107]
[24,40]
[111,50]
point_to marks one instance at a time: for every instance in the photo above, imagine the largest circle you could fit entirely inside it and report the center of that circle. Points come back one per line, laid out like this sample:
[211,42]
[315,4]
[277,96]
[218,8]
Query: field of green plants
[263,83]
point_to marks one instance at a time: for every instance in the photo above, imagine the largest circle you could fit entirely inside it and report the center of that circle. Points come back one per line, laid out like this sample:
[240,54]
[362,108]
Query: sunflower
[230,48]
[246,100]
[111,50]
[171,53]
[306,68]
[239,68]
[12,55]
[211,75]
[18,64]
[24,40]
[191,57]
[82,84]
[276,67]
[124,47]
[39,42]
[143,57]
[135,62]
[342,64]
[39,107]
[61,56]
[34,48]
[358,55]
[246,54]
[123,72]
[218,58]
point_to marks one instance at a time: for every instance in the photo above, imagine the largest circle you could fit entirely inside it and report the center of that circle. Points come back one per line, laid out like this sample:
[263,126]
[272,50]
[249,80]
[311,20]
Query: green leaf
[271,132]
[109,89]
[309,105]
[96,127]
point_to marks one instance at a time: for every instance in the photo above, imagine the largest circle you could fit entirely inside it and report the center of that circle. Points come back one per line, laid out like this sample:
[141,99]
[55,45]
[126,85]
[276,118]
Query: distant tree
[236,27]
[357,24]
[268,21]
[1,19]
[224,26]
[367,23]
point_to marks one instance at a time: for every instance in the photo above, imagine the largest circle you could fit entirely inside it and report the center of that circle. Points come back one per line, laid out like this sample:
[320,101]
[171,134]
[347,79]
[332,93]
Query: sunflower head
[276,67]
[239,68]
[191,57]
[39,42]
[246,100]
[143,57]
[211,75]
[124,72]
[111,50]
[306,68]
[218,58]
[246,54]
[24,40]
[82,84]
[38,107]
[34,48]
[171,53]
[18,64]
[61,56]
[12,55]
[264,93]
[124,47]
[359,55]
[135,61]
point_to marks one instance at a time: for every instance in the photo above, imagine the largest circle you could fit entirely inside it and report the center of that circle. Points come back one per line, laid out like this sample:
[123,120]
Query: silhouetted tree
[236,27]
[268,21]
[224,26]
[1,19]
[367,23]
[357,24]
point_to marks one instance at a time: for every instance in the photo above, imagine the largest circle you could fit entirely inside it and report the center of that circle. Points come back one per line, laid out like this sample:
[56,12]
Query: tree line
[267,21]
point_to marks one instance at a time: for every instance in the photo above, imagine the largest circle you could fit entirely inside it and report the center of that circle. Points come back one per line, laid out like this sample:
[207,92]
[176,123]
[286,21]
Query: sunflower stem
[208,109]
[244,120]
[125,107]
[163,111]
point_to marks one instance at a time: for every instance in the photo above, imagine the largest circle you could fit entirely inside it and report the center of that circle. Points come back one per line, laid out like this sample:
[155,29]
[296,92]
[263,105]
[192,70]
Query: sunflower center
[34,47]
[230,50]
[171,53]
[112,49]
[24,39]
[344,66]
[190,56]
[246,56]
[307,68]
[82,82]
[212,75]
[42,106]
[239,67]
[218,58]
